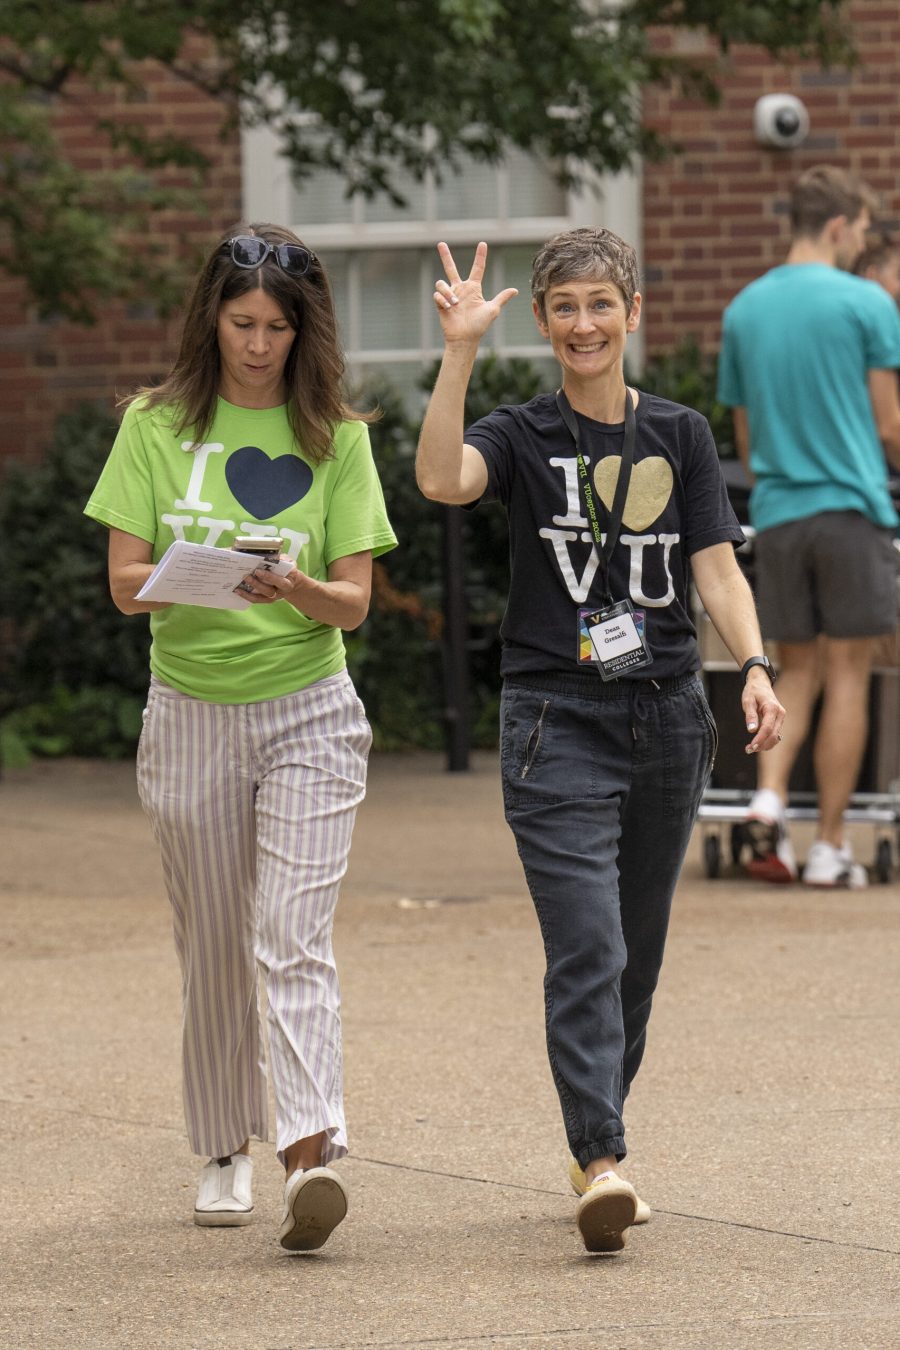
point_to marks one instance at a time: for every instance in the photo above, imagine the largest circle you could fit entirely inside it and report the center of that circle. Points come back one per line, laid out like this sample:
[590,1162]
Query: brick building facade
[713,215]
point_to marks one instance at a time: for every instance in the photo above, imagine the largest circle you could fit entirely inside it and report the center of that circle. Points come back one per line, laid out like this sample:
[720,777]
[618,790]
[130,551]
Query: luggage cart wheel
[712,854]
[883,861]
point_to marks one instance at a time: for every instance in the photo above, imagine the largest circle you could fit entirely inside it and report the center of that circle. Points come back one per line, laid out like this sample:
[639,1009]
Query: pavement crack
[480,1181]
[671,1213]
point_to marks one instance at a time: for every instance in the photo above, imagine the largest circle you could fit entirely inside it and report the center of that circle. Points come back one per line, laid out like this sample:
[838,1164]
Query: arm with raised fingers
[448,470]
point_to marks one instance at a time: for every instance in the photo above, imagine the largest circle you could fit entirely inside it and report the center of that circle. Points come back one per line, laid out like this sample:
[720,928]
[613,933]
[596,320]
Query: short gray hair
[581,255]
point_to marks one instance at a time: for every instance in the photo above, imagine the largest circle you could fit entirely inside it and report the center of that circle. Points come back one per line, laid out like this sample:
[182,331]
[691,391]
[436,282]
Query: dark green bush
[688,375]
[101,722]
[397,660]
[74,671]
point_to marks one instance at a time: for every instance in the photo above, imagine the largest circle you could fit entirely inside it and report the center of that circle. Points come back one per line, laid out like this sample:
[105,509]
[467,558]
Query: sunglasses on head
[248,251]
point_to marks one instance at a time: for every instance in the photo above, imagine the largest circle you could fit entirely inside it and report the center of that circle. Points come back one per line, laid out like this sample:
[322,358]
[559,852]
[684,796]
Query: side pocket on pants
[710,722]
[533,743]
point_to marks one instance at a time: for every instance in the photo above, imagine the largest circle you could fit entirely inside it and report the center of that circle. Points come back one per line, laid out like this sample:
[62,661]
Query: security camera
[780,120]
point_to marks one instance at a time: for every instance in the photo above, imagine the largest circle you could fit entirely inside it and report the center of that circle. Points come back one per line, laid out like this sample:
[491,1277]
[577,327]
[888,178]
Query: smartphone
[267,547]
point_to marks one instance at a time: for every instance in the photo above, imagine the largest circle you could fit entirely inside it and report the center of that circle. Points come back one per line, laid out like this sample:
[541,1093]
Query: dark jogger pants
[601,786]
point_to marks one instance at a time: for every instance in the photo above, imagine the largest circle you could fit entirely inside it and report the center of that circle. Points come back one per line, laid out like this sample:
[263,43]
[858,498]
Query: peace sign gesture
[464,312]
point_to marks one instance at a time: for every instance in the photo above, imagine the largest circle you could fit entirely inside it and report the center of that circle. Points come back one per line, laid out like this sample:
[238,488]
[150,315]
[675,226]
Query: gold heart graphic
[648,492]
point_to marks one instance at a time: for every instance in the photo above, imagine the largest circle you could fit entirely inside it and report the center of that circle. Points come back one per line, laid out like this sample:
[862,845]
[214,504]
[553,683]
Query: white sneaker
[225,1194]
[765,832]
[315,1202]
[833,867]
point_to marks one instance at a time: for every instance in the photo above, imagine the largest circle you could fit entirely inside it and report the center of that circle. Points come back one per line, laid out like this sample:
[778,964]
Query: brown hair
[880,247]
[314,369]
[583,254]
[824,192]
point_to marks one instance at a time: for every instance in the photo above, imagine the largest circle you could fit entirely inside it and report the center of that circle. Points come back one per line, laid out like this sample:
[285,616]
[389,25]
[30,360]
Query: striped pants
[253,807]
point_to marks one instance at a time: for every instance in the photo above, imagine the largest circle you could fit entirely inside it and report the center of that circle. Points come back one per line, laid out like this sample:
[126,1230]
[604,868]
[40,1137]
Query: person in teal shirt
[808,363]
[252,758]
[880,261]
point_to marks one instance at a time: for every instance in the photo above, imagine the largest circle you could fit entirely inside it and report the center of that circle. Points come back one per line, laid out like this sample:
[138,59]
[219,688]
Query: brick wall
[48,367]
[715,215]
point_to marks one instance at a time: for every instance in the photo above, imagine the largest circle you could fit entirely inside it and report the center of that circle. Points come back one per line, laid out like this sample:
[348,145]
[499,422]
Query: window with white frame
[383,263]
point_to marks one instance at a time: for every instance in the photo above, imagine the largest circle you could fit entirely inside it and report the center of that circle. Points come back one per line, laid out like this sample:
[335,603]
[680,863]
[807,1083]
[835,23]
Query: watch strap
[758,661]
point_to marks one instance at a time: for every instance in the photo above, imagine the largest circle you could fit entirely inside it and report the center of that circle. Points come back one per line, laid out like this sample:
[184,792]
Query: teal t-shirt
[247,477]
[797,346]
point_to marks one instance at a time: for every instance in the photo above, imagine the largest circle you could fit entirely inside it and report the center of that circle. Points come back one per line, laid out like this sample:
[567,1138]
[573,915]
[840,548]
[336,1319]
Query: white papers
[196,574]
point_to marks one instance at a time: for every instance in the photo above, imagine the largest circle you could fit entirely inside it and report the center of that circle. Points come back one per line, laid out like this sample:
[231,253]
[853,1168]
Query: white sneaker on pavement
[315,1202]
[833,867]
[225,1194]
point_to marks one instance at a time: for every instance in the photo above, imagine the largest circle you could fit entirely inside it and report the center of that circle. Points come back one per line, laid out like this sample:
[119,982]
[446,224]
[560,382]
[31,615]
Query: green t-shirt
[246,478]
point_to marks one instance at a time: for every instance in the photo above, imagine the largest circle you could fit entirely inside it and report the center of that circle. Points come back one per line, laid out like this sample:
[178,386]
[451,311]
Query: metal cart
[723,809]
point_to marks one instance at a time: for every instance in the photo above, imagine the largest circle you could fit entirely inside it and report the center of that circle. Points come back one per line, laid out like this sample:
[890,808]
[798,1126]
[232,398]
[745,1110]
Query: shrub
[398,658]
[66,650]
[74,671]
[99,723]
[688,375]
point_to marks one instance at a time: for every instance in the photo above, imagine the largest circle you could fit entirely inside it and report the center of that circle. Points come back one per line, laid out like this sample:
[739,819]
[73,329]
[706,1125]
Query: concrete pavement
[763,1128]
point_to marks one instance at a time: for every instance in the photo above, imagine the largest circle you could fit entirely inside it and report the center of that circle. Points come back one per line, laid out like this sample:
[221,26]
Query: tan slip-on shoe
[607,1208]
[315,1202]
[225,1193]
[578,1182]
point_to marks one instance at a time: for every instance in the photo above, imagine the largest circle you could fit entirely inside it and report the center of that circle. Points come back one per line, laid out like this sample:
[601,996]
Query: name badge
[617,639]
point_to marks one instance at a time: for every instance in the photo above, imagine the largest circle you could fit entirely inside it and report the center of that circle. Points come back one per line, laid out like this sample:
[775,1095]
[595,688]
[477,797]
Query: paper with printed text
[197,574]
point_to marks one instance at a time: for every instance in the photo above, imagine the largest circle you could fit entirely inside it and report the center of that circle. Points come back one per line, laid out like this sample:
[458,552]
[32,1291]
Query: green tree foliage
[368,88]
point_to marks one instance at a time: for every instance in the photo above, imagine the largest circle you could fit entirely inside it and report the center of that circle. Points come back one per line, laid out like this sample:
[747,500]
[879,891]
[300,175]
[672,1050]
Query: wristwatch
[759,661]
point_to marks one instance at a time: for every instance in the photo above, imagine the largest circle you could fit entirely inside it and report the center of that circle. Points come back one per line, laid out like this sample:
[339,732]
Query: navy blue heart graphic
[266,486]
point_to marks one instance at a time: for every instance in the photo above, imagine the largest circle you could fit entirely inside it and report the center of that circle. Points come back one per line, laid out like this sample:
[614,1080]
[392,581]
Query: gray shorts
[834,573]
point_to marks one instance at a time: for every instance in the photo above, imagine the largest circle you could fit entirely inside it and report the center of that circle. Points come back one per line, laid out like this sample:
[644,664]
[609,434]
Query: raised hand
[464,312]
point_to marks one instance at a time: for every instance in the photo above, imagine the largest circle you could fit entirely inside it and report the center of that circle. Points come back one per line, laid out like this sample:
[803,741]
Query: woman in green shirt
[252,760]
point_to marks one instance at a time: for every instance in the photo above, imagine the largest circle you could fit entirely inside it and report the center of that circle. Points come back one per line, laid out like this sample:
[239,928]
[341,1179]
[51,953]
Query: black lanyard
[604,551]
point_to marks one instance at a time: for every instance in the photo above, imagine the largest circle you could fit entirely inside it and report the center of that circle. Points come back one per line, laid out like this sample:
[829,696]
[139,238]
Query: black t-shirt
[677,505]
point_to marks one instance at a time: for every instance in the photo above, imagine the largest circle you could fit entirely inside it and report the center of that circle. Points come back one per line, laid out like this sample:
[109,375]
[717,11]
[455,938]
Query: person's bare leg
[315,1202]
[304,1153]
[598,1166]
[799,681]
[842,731]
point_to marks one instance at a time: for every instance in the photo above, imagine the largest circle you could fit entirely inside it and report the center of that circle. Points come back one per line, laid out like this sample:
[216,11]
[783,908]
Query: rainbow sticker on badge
[613,639]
